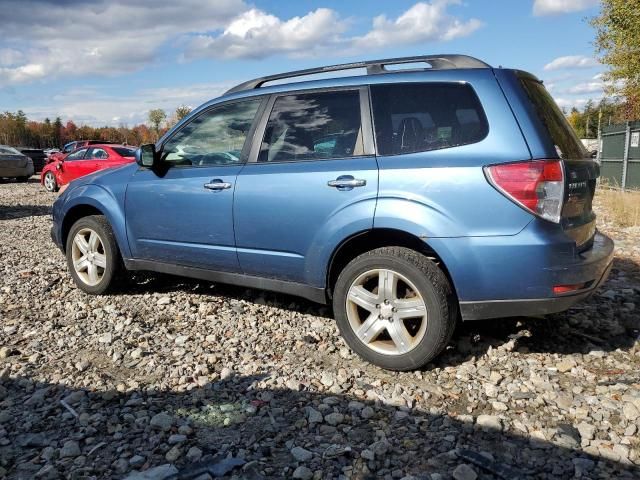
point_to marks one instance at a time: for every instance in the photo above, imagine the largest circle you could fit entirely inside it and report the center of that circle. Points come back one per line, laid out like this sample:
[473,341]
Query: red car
[84,161]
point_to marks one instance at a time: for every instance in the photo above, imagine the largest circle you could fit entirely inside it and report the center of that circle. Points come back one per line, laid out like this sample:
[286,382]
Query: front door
[312,178]
[182,212]
[75,165]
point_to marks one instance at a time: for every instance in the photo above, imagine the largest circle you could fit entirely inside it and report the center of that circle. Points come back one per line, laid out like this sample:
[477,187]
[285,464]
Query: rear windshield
[124,152]
[567,143]
[4,150]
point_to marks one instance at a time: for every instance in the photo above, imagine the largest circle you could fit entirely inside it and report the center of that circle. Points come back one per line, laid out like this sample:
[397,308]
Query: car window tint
[313,126]
[97,154]
[214,138]
[124,152]
[77,155]
[420,117]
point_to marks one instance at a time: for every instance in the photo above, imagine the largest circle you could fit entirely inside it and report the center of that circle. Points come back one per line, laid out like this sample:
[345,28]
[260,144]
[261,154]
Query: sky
[108,62]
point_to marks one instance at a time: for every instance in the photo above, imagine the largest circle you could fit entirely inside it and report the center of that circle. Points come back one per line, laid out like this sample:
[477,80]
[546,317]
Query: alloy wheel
[386,312]
[88,255]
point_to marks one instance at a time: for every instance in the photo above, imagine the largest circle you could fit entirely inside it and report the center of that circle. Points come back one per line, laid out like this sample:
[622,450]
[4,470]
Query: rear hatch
[578,219]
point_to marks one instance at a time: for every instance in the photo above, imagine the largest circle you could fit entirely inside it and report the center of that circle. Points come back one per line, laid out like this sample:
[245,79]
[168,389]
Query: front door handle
[344,182]
[217,184]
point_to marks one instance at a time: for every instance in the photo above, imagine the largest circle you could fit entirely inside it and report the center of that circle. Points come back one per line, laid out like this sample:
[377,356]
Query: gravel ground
[174,376]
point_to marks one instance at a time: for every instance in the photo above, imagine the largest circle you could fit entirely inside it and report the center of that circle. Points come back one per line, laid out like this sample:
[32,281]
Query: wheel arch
[364,241]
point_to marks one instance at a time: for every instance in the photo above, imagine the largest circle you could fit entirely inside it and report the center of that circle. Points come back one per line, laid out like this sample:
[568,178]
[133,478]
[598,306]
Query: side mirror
[146,155]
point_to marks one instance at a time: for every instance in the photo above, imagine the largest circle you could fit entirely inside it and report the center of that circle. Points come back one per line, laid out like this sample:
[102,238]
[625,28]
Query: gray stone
[334,419]
[194,454]
[303,473]
[162,421]
[464,472]
[70,449]
[489,422]
[157,473]
[301,454]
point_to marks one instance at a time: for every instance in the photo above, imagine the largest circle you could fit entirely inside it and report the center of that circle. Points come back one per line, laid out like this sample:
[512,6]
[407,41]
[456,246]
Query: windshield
[5,150]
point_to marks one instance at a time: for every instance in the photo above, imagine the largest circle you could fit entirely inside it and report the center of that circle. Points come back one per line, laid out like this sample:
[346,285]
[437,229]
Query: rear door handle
[217,184]
[344,182]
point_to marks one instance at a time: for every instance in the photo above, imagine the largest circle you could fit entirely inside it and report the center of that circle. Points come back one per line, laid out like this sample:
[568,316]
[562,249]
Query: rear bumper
[480,310]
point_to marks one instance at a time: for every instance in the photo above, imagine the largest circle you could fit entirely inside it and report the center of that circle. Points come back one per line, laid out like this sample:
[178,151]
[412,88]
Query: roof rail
[437,62]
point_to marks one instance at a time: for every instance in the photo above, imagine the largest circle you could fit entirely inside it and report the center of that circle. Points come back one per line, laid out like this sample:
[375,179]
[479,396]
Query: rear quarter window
[419,117]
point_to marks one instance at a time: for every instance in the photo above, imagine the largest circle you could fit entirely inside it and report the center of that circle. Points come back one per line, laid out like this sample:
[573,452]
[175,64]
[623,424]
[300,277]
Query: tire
[101,257]
[50,183]
[22,179]
[423,296]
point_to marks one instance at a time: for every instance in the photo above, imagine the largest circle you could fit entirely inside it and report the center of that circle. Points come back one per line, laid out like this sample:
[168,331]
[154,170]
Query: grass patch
[621,208]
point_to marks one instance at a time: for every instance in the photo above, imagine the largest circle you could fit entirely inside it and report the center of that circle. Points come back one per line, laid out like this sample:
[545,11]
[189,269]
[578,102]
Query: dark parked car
[14,164]
[37,156]
[405,199]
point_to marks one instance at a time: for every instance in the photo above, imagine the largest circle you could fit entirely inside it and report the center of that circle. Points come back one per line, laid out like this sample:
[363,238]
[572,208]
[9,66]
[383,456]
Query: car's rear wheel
[92,254]
[394,308]
[22,179]
[50,183]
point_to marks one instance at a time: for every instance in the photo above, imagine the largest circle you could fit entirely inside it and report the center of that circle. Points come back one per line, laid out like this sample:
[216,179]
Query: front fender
[107,203]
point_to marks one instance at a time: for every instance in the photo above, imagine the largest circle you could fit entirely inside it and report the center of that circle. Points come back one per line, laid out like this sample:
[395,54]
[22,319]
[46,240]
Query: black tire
[113,264]
[23,179]
[55,186]
[431,283]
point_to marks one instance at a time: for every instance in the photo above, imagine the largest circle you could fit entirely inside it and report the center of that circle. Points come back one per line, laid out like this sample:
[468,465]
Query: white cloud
[50,38]
[424,22]
[555,7]
[586,87]
[571,61]
[568,103]
[257,34]
[88,105]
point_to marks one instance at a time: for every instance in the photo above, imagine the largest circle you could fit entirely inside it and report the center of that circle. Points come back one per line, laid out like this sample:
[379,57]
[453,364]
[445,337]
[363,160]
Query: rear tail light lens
[535,185]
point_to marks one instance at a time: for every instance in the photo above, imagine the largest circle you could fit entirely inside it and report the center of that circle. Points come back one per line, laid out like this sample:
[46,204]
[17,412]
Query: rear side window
[567,143]
[419,117]
[313,126]
[124,152]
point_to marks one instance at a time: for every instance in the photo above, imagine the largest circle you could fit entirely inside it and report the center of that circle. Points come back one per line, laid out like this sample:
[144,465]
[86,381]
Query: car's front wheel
[92,254]
[394,308]
[50,183]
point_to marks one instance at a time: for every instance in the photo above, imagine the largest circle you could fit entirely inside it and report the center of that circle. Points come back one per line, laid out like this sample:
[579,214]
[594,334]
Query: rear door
[581,172]
[312,174]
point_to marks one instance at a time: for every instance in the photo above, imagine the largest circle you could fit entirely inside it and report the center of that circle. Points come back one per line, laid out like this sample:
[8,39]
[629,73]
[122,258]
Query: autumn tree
[618,46]
[156,117]
[182,111]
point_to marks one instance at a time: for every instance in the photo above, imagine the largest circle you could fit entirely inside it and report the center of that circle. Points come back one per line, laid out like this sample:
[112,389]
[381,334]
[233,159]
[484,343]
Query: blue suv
[406,198]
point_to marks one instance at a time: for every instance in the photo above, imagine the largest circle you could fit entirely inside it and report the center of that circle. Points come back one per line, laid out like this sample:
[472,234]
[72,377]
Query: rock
[162,421]
[70,449]
[334,419]
[301,454]
[176,438]
[380,447]
[368,454]
[157,473]
[194,454]
[630,411]
[136,461]
[313,415]
[489,422]
[106,338]
[303,473]
[367,413]
[565,365]
[226,373]
[173,454]
[164,301]
[464,472]
[587,431]
[499,406]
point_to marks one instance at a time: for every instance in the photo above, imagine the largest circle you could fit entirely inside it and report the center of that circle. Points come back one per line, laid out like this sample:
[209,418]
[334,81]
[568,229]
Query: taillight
[536,185]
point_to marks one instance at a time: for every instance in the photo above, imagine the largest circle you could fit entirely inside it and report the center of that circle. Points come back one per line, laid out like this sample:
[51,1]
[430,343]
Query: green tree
[156,117]
[618,46]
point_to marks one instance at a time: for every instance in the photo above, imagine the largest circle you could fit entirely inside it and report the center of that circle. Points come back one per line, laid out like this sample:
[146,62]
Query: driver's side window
[215,137]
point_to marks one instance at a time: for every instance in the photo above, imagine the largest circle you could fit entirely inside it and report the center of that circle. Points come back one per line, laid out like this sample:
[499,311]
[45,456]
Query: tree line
[17,130]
